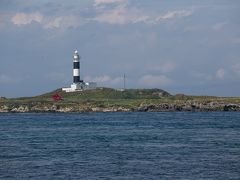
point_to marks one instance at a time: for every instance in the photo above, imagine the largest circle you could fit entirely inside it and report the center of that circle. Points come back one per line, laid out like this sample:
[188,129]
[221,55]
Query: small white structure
[78,84]
[80,87]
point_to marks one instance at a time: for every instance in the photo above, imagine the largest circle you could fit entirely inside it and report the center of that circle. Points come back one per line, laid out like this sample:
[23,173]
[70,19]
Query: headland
[112,100]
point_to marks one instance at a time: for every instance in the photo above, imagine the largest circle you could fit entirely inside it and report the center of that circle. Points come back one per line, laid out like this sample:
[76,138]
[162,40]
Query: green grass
[105,94]
[107,97]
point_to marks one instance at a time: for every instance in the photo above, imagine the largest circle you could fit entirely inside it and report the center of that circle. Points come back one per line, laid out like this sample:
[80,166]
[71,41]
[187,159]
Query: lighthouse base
[81,86]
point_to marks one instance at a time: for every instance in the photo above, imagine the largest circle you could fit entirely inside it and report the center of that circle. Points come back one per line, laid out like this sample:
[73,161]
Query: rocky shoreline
[188,106]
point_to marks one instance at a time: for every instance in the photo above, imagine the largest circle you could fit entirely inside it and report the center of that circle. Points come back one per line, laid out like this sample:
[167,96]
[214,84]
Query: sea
[122,146]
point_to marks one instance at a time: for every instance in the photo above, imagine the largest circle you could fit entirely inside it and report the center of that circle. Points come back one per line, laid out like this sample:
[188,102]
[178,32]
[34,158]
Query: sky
[182,46]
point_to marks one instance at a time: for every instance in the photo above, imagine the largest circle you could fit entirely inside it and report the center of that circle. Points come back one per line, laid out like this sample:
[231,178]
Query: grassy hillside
[108,93]
[102,97]
[111,98]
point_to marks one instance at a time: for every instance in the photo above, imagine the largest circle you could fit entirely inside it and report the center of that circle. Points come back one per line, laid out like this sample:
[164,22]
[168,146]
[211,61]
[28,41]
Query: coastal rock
[4,109]
[20,109]
[188,106]
[96,109]
[65,109]
[122,109]
[143,107]
[231,107]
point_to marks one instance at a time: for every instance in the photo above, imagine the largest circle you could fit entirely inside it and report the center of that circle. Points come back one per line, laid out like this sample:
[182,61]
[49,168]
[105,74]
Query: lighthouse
[78,84]
[76,67]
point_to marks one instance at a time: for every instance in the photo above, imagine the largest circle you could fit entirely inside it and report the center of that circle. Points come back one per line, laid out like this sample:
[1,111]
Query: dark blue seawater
[120,146]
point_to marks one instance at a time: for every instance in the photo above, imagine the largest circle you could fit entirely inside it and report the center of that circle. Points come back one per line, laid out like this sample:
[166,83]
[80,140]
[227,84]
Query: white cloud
[115,16]
[63,22]
[155,81]
[124,15]
[120,14]
[105,80]
[24,18]
[174,15]
[220,74]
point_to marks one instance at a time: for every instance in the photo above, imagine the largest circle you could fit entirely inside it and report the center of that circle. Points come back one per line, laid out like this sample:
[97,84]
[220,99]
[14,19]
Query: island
[113,100]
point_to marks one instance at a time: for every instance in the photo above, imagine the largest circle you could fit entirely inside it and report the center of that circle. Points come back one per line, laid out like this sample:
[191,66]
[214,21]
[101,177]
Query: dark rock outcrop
[193,107]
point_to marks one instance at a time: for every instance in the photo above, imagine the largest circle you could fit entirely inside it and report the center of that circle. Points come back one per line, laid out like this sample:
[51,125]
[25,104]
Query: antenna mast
[124,82]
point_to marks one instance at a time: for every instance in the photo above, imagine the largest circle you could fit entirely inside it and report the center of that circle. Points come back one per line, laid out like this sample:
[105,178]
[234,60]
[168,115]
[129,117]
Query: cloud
[62,22]
[125,15]
[173,15]
[24,18]
[155,81]
[120,14]
[115,16]
[103,2]
[220,74]
[105,80]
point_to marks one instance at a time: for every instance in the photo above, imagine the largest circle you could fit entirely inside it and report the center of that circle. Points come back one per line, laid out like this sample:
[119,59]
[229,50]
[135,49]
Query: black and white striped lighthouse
[78,84]
[76,67]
